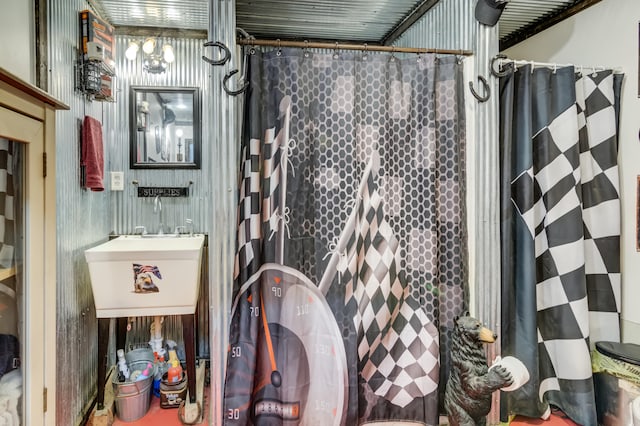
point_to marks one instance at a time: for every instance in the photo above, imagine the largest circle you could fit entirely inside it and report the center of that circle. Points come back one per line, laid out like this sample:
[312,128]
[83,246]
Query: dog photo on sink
[143,278]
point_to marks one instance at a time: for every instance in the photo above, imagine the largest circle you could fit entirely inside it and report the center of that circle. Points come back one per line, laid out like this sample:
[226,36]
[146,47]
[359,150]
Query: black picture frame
[170,115]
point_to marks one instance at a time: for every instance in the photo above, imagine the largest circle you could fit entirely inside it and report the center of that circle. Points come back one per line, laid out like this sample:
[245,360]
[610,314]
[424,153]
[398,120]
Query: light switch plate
[117,181]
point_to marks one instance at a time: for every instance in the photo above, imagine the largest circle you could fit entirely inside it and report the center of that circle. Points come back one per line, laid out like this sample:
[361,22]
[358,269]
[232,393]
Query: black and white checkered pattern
[260,196]
[249,217]
[397,344]
[568,199]
[600,199]
[7,196]
[272,177]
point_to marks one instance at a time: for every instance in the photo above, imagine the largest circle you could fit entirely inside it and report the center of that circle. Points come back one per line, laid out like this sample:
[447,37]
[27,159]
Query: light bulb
[132,51]
[167,53]
[149,45]
[179,133]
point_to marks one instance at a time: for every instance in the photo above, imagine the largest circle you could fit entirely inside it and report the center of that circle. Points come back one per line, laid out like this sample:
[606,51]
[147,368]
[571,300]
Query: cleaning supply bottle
[123,369]
[174,374]
[160,370]
[145,373]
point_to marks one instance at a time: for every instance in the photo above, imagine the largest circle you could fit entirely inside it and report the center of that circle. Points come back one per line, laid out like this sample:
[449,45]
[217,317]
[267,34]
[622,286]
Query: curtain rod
[348,46]
[516,62]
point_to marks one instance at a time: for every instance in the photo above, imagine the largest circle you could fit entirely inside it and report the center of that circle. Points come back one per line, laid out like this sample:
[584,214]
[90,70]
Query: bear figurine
[468,392]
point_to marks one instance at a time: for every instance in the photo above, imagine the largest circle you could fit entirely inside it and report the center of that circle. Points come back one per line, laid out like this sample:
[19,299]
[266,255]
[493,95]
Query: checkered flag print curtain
[397,344]
[560,233]
[9,213]
[7,195]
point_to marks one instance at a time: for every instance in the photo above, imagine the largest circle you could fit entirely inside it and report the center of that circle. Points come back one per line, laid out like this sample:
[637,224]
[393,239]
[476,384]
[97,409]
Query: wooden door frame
[27,115]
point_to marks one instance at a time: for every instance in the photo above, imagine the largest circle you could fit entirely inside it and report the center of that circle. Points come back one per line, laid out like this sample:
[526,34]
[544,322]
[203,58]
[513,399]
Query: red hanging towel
[92,154]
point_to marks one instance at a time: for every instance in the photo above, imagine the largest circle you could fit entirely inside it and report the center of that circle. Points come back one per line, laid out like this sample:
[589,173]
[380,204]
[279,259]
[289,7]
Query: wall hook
[243,33]
[498,73]
[225,50]
[244,87]
[487,90]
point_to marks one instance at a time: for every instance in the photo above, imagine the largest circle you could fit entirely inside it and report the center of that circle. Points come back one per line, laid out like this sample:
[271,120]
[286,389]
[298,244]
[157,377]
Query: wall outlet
[117,181]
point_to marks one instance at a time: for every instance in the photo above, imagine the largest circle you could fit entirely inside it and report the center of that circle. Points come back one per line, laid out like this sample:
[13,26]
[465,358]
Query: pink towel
[92,154]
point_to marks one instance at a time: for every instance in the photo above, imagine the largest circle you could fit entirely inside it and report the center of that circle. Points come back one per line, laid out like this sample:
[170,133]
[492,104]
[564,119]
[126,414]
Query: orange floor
[157,416]
[556,419]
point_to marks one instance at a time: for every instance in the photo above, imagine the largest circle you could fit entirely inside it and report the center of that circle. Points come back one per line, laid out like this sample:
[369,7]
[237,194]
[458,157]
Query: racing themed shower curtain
[560,230]
[351,243]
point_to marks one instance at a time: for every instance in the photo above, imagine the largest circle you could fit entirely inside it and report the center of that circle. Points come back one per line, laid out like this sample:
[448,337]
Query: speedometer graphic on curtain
[294,372]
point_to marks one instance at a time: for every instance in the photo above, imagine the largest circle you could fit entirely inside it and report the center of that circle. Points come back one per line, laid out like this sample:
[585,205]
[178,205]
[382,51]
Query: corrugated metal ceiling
[353,20]
[183,14]
[363,20]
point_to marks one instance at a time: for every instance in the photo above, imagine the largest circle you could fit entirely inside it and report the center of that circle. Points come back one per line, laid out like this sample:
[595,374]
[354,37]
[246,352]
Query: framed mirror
[165,127]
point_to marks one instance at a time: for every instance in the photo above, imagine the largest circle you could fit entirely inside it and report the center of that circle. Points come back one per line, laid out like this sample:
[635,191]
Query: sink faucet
[142,229]
[188,228]
[157,208]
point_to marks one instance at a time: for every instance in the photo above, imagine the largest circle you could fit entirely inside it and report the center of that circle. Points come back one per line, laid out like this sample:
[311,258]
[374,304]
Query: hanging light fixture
[167,53]
[149,45]
[154,60]
[132,51]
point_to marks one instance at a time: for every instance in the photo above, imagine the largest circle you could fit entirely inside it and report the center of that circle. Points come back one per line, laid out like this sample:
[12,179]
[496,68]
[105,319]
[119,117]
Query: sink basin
[137,276]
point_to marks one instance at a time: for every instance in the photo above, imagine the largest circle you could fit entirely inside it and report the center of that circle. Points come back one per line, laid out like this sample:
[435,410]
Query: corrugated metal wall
[86,218]
[82,221]
[127,209]
[451,24]
[224,155]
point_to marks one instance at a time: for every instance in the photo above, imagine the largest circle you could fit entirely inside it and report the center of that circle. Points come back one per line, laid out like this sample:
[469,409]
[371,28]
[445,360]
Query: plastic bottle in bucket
[123,369]
[145,373]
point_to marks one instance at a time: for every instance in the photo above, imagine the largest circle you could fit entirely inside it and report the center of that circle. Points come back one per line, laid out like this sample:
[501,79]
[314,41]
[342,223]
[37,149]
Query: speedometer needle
[276,379]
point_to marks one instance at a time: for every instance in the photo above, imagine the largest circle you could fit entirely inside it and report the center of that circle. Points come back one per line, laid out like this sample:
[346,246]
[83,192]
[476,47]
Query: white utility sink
[133,275]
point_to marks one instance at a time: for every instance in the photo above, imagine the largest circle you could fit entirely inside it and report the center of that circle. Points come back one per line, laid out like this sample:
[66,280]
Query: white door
[26,288]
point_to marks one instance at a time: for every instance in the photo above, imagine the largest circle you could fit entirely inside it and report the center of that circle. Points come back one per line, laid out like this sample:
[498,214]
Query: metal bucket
[132,399]
[139,355]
